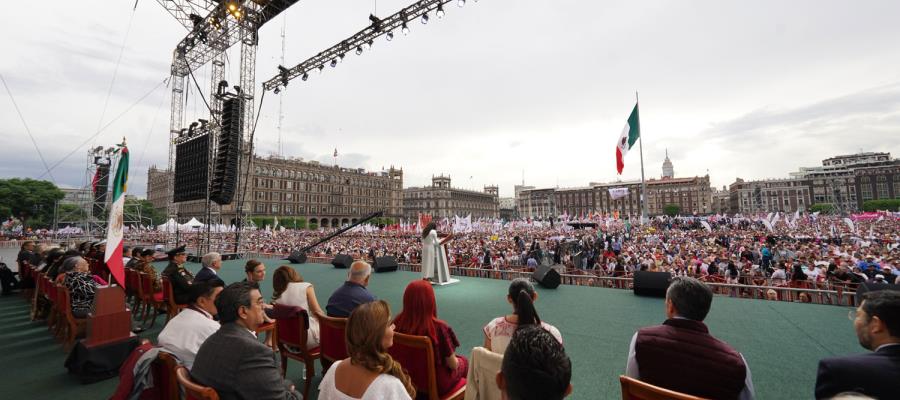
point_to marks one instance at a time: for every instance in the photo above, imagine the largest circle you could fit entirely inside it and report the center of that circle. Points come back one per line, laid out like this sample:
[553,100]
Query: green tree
[883,204]
[29,199]
[822,207]
[671,209]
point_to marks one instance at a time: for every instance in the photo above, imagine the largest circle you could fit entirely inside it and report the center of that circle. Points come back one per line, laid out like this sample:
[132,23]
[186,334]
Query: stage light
[232,6]
[237,14]
[389,36]
[461,3]
[358,50]
[304,77]
[424,18]
[340,57]
[404,29]
[277,90]
[367,45]
[440,11]
[321,67]
[334,62]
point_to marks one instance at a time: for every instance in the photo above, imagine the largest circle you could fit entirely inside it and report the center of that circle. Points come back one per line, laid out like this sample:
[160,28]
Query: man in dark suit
[180,277]
[211,263]
[875,374]
[233,361]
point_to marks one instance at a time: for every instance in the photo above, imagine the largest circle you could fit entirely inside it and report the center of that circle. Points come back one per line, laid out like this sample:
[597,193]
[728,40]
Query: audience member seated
[81,285]
[715,371]
[211,263]
[183,335]
[499,331]
[180,278]
[352,293]
[535,367]
[135,257]
[255,271]
[145,265]
[291,290]
[369,372]
[419,317]
[877,373]
[233,361]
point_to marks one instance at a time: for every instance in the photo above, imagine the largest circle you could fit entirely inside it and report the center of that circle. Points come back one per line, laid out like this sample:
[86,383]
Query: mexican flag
[630,134]
[114,236]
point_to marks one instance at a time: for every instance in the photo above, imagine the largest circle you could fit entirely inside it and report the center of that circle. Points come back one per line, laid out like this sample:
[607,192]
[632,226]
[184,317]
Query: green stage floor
[782,342]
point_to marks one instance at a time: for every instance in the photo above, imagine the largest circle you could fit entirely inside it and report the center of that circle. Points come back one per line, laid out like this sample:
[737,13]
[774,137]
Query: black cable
[28,131]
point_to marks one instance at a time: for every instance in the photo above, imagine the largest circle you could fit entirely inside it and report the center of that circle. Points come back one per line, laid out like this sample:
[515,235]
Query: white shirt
[295,295]
[183,335]
[385,386]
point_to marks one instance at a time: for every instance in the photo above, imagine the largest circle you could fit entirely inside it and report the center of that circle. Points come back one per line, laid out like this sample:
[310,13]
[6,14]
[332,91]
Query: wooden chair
[151,300]
[633,389]
[72,327]
[172,308]
[291,331]
[192,390]
[165,382]
[331,340]
[416,355]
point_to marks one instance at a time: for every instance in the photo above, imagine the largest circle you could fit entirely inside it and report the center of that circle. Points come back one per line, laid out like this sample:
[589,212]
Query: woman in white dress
[369,373]
[434,258]
[290,290]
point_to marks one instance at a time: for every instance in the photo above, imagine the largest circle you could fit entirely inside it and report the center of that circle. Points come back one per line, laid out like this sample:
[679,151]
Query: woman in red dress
[419,317]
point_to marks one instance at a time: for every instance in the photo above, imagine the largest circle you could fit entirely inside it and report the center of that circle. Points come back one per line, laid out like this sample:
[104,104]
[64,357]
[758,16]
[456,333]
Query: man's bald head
[360,272]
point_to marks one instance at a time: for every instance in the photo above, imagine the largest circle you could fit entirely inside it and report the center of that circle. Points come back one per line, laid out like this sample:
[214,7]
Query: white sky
[498,87]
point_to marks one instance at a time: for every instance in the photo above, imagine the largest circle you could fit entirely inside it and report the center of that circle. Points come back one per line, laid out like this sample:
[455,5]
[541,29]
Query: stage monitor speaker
[385,264]
[297,257]
[225,172]
[101,190]
[342,261]
[546,276]
[872,287]
[652,284]
[191,169]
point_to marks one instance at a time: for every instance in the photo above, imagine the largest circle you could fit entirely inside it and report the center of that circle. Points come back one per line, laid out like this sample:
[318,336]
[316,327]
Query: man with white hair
[211,263]
[352,293]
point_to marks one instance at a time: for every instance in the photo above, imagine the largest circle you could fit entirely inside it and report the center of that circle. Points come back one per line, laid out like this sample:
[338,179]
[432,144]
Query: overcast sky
[498,87]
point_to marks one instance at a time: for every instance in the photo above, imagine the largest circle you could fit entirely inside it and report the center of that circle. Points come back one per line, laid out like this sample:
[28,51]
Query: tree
[883,204]
[671,209]
[29,199]
[822,207]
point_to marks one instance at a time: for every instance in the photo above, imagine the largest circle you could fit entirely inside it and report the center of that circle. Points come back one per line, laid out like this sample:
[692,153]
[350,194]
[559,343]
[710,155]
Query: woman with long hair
[291,290]
[498,332]
[434,257]
[369,372]
[419,317]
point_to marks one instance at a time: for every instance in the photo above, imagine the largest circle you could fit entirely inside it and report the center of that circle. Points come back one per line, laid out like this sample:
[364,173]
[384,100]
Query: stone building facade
[442,200]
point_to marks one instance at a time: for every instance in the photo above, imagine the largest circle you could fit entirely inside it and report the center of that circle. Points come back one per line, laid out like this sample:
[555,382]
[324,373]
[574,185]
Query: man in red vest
[706,367]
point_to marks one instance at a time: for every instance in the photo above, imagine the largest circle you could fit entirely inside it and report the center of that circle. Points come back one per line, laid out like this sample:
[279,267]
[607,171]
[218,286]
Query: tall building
[442,200]
[324,195]
[667,170]
[507,208]
[157,184]
[622,198]
[835,181]
[575,202]
[536,203]
[721,201]
[769,195]
[877,182]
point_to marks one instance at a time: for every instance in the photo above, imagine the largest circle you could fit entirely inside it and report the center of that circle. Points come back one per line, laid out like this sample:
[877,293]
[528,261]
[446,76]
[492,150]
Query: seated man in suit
[179,276]
[717,370]
[352,293]
[233,361]
[184,334]
[535,367]
[876,374]
[211,263]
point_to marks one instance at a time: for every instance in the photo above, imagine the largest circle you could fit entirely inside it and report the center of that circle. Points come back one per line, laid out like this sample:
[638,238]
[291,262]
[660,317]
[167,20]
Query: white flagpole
[641,148]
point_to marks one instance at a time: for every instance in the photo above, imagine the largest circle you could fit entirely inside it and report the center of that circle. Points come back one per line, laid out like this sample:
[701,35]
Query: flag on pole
[630,134]
[114,234]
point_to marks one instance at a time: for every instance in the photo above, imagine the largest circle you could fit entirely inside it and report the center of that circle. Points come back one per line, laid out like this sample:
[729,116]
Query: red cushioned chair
[151,300]
[291,329]
[416,355]
[172,308]
[193,390]
[331,339]
[633,389]
[165,382]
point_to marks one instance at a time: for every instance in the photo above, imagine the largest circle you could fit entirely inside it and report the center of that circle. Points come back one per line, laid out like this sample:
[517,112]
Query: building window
[882,187]
[896,185]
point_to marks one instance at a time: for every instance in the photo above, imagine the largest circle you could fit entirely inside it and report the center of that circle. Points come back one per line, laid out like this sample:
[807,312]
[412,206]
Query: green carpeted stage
[782,342]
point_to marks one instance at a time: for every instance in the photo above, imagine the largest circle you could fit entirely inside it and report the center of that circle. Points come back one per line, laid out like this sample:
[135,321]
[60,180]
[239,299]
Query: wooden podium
[111,320]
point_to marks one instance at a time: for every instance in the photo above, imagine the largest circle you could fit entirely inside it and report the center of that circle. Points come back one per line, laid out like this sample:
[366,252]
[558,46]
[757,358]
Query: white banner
[618,193]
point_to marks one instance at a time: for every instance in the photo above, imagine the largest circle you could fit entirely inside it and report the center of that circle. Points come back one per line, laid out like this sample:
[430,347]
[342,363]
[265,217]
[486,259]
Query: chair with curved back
[172,308]
[165,382]
[633,389]
[331,339]
[193,390]
[416,355]
[291,331]
[151,300]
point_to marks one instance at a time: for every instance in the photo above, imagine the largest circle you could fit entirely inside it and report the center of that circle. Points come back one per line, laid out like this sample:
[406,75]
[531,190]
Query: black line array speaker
[297,257]
[342,261]
[653,284]
[191,169]
[872,287]
[101,189]
[546,276]
[225,173]
[385,264]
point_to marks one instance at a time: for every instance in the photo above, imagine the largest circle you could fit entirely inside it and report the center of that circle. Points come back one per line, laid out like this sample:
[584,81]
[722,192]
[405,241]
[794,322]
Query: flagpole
[641,149]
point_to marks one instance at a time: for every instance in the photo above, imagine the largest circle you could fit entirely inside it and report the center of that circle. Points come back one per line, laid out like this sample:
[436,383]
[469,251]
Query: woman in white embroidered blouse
[369,372]
[499,331]
[291,290]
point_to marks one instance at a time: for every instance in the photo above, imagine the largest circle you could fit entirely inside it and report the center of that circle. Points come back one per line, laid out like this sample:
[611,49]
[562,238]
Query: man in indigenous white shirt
[183,335]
